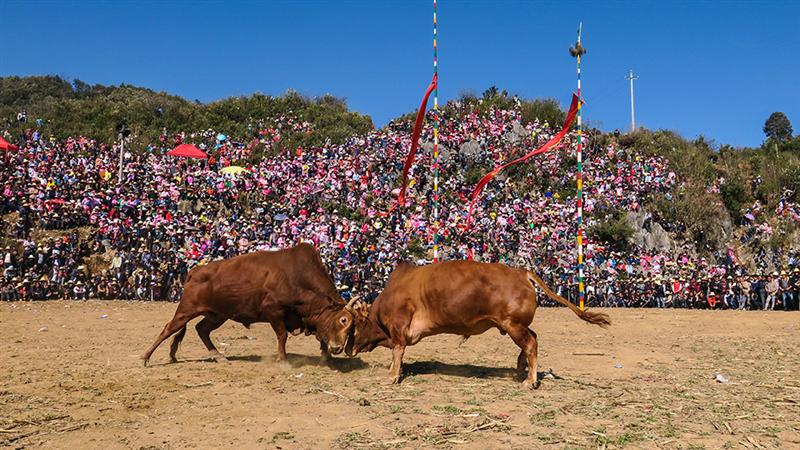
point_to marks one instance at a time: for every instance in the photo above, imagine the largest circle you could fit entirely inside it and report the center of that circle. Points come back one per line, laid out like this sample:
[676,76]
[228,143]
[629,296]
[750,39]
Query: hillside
[723,199]
[78,109]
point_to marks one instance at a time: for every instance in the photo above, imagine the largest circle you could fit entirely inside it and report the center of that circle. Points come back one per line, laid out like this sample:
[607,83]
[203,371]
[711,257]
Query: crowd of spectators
[74,230]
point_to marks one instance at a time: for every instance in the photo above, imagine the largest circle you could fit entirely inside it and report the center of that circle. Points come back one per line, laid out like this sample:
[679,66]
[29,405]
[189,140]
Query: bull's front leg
[396,368]
[324,352]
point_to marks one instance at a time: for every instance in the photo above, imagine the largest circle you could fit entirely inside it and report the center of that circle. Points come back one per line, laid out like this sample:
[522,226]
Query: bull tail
[594,318]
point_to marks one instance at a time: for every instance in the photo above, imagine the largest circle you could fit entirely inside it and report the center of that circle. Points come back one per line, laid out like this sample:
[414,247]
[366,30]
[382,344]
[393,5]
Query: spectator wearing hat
[772,288]
[743,292]
[785,292]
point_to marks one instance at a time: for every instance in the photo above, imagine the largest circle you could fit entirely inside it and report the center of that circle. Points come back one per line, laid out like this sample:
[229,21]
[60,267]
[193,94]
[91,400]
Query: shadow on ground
[458,370]
[247,358]
[207,359]
[470,371]
[338,364]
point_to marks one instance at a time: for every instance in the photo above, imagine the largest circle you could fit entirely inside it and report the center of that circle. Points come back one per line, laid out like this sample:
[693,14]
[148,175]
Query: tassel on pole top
[577,51]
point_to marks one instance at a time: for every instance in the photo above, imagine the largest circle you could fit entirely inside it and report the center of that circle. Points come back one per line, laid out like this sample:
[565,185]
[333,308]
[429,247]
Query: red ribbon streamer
[573,110]
[414,144]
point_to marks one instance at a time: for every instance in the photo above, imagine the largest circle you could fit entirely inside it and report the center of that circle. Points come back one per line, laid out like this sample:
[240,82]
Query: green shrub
[96,110]
[416,248]
[612,230]
[342,210]
[735,196]
[474,175]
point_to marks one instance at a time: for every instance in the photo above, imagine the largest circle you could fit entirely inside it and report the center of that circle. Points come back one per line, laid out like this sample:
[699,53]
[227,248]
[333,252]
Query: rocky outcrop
[648,233]
[470,149]
[517,133]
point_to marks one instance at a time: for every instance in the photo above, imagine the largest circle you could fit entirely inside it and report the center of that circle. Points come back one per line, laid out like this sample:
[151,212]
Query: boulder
[652,237]
[426,149]
[470,149]
[517,134]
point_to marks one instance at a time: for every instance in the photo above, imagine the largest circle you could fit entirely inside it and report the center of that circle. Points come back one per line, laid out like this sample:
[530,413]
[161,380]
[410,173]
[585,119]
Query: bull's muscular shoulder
[401,270]
[305,248]
[404,267]
[305,253]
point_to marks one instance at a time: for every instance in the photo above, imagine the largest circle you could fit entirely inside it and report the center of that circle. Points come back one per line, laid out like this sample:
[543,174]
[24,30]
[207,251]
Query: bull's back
[236,288]
[460,297]
[470,283]
[259,286]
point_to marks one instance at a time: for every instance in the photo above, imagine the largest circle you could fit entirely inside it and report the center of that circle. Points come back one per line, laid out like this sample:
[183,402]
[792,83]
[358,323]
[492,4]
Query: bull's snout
[335,350]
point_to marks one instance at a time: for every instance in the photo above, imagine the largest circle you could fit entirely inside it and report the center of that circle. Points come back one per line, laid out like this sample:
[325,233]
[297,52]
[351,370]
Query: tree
[490,93]
[778,127]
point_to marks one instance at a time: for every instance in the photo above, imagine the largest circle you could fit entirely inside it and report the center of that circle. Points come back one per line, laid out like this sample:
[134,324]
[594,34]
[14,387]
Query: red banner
[414,144]
[573,110]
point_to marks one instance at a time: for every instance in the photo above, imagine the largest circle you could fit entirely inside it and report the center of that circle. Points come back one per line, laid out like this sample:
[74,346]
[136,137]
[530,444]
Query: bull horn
[350,304]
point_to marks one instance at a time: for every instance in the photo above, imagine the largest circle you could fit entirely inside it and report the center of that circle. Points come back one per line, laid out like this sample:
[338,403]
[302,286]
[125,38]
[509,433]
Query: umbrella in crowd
[233,170]
[187,151]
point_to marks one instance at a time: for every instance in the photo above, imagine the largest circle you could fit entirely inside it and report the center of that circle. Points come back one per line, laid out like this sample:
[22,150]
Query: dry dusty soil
[71,378]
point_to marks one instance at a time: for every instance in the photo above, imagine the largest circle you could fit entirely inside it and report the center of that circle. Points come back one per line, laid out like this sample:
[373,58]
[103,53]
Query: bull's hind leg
[176,324]
[522,359]
[522,363]
[280,332]
[526,340]
[176,342]
[204,329]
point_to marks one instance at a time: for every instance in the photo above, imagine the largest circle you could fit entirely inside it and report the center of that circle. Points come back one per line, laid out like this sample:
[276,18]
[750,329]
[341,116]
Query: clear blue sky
[712,68]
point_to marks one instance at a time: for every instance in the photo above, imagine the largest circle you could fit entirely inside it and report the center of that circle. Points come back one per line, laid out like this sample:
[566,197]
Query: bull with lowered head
[456,297]
[291,289]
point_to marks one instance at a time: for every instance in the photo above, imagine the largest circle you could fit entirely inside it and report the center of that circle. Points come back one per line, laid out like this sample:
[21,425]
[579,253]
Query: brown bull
[291,289]
[456,297]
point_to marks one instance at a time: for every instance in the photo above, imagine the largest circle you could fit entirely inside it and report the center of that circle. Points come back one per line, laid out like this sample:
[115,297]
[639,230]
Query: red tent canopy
[4,145]
[187,151]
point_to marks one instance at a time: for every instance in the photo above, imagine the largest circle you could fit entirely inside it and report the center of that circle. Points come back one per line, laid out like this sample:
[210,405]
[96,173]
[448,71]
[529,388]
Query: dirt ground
[71,378]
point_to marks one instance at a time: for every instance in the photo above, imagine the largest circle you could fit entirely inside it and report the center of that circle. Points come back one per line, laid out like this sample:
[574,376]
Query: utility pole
[632,77]
[124,132]
[121,156]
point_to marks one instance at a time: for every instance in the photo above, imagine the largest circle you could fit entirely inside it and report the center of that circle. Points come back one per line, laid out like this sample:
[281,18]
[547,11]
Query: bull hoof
[531,384]
[173,359]
[392,380]
[218,357]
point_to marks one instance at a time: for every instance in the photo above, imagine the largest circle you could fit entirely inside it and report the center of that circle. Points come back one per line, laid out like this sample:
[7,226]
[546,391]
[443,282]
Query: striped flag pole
[435,142]
[579,194]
